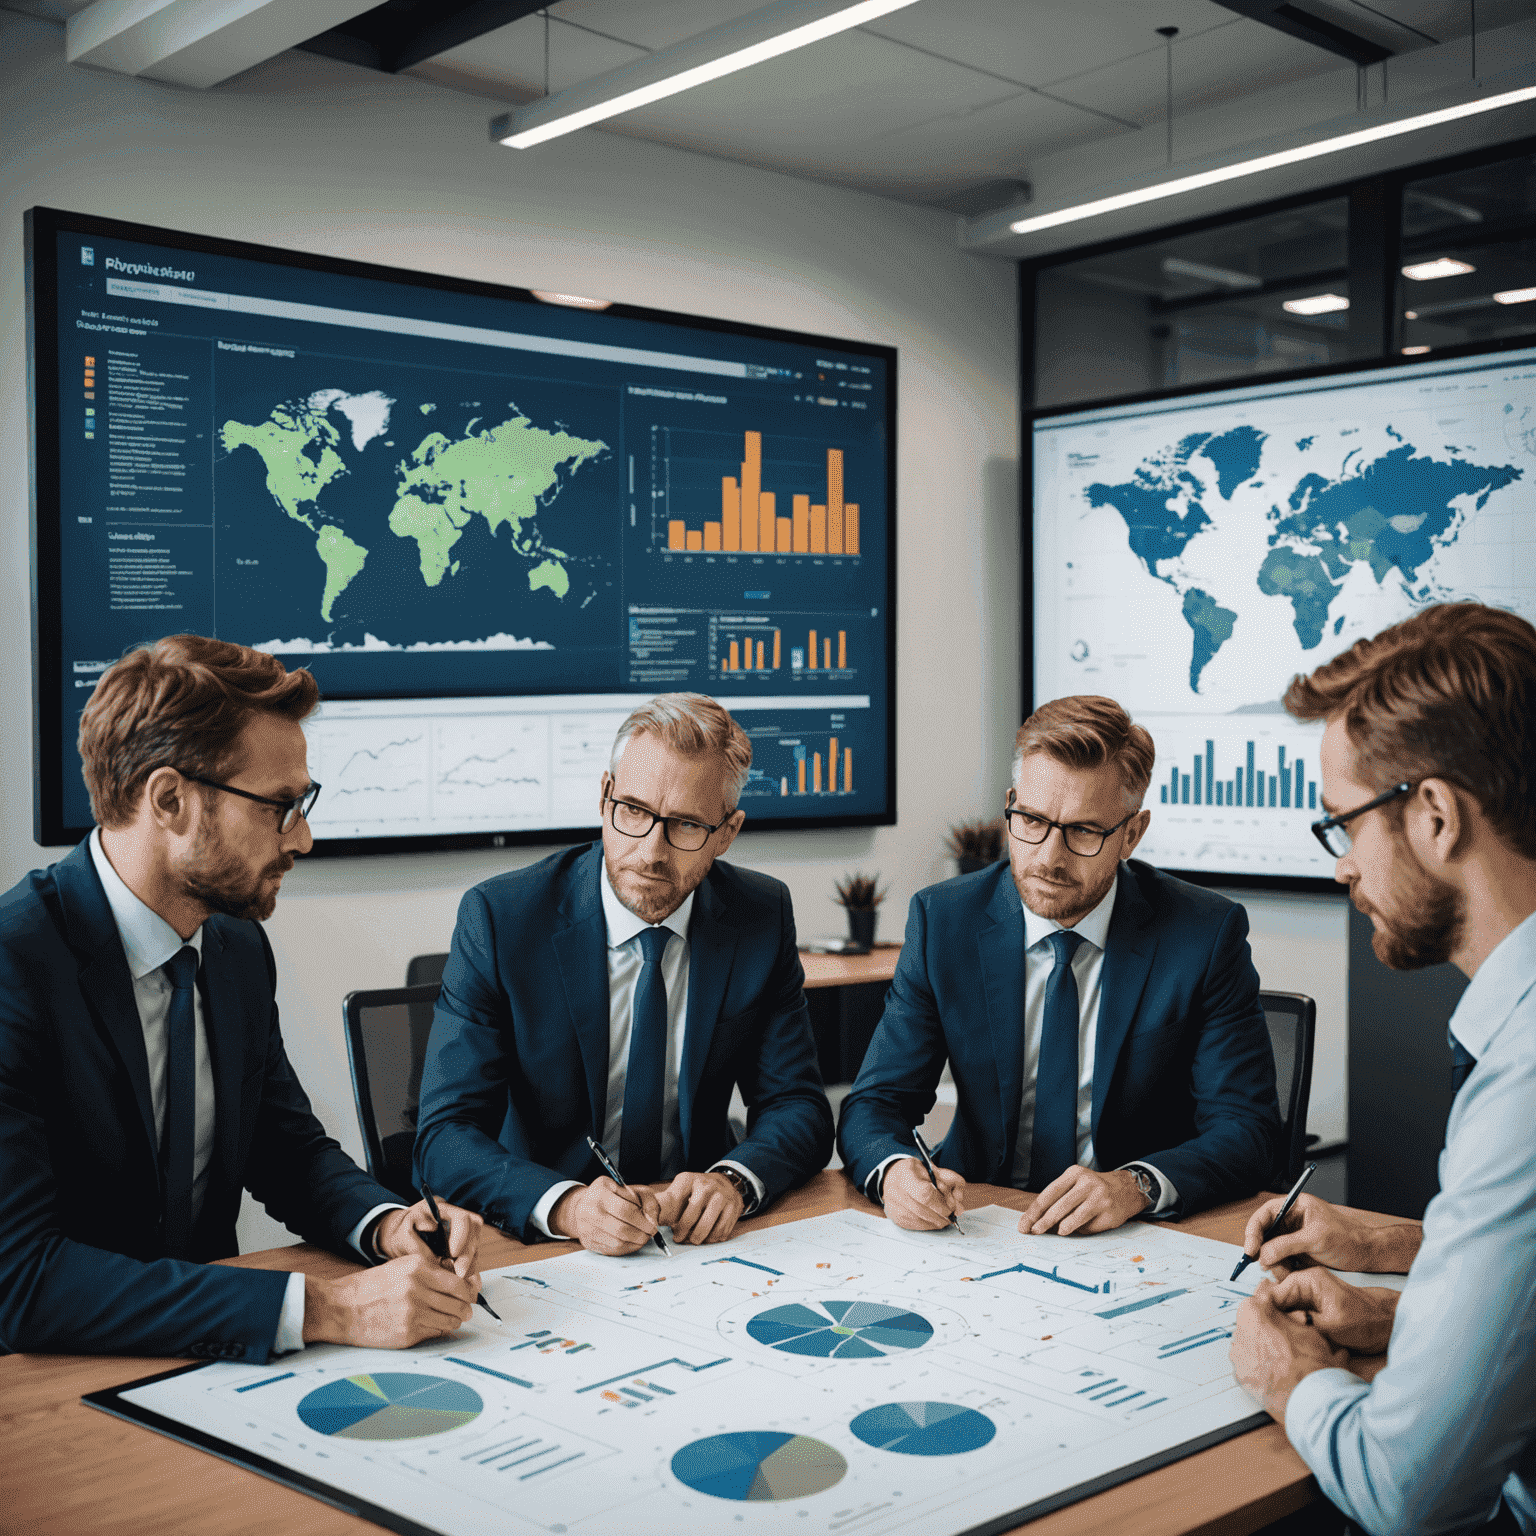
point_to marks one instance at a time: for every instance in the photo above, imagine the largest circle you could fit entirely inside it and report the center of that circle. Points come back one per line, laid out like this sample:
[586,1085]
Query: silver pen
[600,1152]
[928,1163]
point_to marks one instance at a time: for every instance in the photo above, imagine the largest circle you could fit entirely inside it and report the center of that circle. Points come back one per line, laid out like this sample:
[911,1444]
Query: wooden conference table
[66,1468]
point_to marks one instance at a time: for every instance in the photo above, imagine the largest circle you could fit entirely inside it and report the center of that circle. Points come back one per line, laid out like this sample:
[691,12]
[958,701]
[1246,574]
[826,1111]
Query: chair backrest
[1292,1020]
[426,970]
[386,1045]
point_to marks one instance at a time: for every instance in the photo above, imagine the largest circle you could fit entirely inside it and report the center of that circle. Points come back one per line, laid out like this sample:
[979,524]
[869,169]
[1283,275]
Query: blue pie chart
[389,1405]
[840,1330]
[759,1465]
[924,1429]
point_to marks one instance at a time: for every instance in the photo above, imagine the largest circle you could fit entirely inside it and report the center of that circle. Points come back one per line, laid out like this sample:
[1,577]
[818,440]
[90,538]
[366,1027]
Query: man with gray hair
[620,991]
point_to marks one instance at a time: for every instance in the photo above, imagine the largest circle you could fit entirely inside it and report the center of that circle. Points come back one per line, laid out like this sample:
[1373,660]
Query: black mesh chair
[1292,1020]
[386,1046]
[425,970]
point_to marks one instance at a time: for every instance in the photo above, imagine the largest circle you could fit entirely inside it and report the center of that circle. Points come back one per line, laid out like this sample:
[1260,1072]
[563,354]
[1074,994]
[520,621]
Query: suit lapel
[226,1019]
[92,934]
[1128,951]
[711,948]
[581,952]
[1001,945]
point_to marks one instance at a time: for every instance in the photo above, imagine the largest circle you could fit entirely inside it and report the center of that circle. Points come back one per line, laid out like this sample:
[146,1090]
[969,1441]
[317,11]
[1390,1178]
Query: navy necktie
[646,1074]
[1053,1148]
[180,1101]
[1462,1062]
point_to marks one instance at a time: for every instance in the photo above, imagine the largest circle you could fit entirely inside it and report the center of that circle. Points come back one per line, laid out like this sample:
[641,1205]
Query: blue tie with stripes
[646,1074]
[180,1101]
[1053,1147]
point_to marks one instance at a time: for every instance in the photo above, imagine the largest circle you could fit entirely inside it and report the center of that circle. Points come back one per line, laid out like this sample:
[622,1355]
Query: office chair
[426,970]
[386,1045]
[1292,1020]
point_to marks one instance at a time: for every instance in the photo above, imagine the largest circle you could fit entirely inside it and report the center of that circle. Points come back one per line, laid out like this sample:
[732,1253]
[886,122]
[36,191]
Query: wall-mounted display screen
[1192,555]
[489,525]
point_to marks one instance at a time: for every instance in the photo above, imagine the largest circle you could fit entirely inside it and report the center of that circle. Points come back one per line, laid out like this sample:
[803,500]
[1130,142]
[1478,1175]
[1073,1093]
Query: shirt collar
[1502,980]
[148,940]
[623,925]
[1094,927]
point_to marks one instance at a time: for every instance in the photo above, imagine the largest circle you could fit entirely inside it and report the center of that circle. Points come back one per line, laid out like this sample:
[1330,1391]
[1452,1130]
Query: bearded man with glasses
[617,993]
[1101,1019]
[143,1080]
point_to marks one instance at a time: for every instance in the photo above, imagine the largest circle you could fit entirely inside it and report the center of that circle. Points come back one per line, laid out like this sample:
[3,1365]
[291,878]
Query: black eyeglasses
[300,805]
[1081,840]
[1330,831]
[684,834]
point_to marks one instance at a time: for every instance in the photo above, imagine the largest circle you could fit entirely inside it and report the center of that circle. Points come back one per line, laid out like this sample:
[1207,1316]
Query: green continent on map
[1212,626]
[1304,580]
[343,559]
[499,473]
[298,447]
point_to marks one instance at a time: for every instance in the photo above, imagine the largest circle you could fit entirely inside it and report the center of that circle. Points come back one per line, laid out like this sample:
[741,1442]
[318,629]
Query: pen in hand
[437,1241]
[1274,1226]
[600,1152]
[928,1164]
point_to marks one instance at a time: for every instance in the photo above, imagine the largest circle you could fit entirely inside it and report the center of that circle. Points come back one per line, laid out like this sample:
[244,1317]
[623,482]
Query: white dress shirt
[625,962]
[1088,970]
[149,942]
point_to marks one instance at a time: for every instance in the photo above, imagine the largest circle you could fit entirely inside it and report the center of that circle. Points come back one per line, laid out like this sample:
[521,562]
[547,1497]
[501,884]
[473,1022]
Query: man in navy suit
[619,991]
[1101,1019]
[143,1081]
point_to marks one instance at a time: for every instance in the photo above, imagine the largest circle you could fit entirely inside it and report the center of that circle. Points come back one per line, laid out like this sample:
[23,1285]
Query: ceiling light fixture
[1317,304]
[1331,146]
[1515,296]
[1441,266]
[569,300]
[762,34]
[1414,351]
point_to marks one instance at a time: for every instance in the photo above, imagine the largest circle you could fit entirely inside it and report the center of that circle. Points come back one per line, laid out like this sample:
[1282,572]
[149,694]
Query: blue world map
[1392,513]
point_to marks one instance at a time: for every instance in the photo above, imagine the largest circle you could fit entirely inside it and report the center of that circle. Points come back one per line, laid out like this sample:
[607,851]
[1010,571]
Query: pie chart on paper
[924,1429]
[759,1465]
[389,1405]
[840,1330]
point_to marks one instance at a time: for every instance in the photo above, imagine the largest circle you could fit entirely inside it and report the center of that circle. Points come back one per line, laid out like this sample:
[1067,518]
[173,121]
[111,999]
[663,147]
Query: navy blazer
[83,1266]
[1183,1071]
[516,1076]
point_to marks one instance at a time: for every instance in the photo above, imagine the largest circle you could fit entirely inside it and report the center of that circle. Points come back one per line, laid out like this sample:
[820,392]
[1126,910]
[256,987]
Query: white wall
[307,153]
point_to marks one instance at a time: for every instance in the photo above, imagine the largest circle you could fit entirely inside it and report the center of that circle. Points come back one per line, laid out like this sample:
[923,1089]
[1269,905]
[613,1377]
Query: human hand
[700,1207]
[391,1307]
[605,1218]
[1357,1318]
[1319,1233]
[1083,1200]
[400,1234]
[912,1202]
[1272,1350]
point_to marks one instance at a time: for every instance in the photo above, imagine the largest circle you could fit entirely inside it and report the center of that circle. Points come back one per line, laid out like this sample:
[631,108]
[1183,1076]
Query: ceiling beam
[1295,22]
[396,35]
[195,43]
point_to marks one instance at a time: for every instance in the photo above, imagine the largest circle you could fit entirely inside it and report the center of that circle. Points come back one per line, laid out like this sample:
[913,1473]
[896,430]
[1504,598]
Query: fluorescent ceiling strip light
[1333,146]
[1441,266]
[1318,304]
[790,24]
[1515,296]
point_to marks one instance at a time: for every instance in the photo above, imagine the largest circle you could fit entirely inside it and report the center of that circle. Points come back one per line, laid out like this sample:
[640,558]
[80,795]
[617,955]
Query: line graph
[495,770]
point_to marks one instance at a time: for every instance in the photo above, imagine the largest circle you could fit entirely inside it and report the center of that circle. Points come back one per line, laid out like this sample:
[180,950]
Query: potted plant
[975,844]
[860,896]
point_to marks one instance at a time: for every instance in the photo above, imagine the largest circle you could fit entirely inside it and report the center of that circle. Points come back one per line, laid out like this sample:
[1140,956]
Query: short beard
[216,880]
[1432,934]
[1072,903]
[652,906]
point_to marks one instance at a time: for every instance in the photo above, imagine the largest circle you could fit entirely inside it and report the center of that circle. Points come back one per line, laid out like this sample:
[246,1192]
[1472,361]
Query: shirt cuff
[1315,1405]
[874,1185]
[541,1212]
[290,1321]
[355,1236]
[1167,1196]
[759,1189]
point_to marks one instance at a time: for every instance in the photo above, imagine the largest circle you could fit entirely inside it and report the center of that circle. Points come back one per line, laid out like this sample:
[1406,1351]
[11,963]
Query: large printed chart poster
[832,1375]
[1192,556]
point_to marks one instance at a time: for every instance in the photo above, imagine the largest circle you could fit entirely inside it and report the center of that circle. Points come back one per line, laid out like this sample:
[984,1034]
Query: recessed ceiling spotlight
[570,300]
[1441,266]
[1414,351]
[1317,304]
[1515,296]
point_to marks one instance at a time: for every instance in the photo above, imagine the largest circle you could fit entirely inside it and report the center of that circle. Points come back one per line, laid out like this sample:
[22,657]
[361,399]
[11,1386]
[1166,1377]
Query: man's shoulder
[963,895]
[31,915]
[1173,900]
[533,884]
[746,895]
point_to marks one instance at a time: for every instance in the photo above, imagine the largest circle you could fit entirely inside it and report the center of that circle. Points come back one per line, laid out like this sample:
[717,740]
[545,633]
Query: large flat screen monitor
[1191,555]
[489,524]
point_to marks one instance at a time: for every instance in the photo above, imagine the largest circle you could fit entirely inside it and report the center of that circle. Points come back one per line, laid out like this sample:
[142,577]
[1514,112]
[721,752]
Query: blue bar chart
[1248,785]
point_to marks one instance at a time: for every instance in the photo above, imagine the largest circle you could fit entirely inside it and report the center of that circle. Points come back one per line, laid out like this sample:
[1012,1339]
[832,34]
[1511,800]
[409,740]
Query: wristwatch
[1147,1183]
[743,1187]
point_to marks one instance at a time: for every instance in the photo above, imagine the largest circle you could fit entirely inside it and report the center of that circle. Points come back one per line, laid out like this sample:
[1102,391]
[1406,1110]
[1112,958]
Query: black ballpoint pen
[928,1164]
[600,1152]
[437,1241]
[1274,1226]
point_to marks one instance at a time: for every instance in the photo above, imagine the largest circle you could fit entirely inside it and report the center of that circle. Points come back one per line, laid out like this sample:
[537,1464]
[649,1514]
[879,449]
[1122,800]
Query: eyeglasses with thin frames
[1333,835]
[1085,841]
[300,805]
[682,832]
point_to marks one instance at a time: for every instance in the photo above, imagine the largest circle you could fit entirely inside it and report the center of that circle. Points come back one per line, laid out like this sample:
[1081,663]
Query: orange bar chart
[750,654]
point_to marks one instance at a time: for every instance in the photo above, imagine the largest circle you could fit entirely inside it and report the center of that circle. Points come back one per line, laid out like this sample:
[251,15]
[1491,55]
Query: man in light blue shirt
[1427,770]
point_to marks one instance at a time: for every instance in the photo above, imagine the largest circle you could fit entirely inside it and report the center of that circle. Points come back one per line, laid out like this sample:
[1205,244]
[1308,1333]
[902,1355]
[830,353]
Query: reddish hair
[179,703]
[1085,730]
[1448,694]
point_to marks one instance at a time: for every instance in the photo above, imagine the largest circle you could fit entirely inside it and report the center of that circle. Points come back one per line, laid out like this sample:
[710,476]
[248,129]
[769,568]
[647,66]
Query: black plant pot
[861,926]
